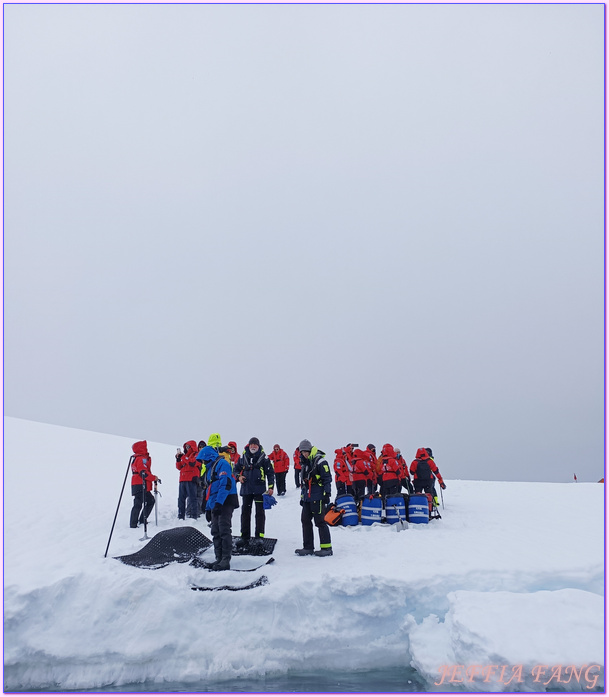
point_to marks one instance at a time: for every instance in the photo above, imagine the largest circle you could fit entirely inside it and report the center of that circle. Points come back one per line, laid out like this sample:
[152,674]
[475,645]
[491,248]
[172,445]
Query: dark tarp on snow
[184,544]
[179,544]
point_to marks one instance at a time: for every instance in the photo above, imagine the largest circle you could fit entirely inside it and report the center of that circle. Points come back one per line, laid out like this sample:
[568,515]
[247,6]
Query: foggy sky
[356,223]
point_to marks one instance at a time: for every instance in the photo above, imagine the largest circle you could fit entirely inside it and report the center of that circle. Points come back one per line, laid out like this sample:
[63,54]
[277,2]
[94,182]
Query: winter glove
[443,486]
[326,498]
[158,480]
[268,501]
[143,474]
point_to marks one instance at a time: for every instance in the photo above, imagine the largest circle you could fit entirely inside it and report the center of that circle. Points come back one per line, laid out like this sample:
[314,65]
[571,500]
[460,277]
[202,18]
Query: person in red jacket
[190,471]
[361,473]
[348,453]
[233,452]
[281,465]
[342,473]
[423,470]
[435,493]
[297,467]
[141,483]
[404,474]
[390,471]
[372,474]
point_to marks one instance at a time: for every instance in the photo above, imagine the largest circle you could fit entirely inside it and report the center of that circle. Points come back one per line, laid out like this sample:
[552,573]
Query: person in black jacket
[315,493]
[252,471]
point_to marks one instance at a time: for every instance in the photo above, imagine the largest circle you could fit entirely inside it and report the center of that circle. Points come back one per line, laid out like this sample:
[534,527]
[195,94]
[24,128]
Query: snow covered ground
[504,593]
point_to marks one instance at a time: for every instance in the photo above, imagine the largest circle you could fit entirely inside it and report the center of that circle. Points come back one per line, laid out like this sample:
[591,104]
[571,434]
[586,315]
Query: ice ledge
[513,641]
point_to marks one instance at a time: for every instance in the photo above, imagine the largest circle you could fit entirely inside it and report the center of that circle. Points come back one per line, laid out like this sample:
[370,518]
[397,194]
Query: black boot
[222,565]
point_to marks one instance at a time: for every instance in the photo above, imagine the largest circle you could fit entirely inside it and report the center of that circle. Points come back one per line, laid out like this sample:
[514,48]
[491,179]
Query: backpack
[423,471]
[334,515]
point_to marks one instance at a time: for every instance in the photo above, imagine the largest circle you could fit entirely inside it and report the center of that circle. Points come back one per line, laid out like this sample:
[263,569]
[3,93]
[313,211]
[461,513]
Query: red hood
[388,450]
[140,448]
[360,454]
[232,442]
[422,454]
[192,444]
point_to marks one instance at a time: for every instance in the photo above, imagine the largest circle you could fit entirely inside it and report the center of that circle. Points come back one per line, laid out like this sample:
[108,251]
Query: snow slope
[513,576]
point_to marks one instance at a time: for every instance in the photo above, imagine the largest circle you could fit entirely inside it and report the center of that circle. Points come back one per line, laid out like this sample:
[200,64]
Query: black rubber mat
[255,546]
[176,545]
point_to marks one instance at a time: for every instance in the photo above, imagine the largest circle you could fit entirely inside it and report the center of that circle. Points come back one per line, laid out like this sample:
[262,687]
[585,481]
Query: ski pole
[144,492]
[119,503]
[157,493]
[442,497]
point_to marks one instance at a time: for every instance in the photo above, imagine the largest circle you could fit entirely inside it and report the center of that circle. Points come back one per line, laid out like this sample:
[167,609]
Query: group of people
[209,473]
[360,472]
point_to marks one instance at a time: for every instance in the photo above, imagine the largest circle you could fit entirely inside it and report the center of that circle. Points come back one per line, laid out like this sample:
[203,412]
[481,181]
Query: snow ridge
[381,622]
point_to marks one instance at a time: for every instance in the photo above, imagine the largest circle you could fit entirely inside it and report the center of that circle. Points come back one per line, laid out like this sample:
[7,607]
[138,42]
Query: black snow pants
[280,481]
[391,487]
[313,512]
[246,516]
[359,490]
[424,486]
[221,531]
[139,500]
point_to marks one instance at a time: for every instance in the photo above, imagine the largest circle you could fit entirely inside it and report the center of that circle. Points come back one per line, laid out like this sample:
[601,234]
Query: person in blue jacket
[221,501]
[315,493]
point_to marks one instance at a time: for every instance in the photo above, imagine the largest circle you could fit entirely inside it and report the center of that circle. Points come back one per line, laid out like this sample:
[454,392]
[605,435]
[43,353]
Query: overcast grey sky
[365,223]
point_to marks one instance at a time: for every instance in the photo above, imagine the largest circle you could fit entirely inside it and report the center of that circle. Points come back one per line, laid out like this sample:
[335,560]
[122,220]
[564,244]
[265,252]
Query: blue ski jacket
[222,486]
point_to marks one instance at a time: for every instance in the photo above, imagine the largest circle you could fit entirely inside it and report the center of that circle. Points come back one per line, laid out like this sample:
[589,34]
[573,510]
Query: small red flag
[575,477]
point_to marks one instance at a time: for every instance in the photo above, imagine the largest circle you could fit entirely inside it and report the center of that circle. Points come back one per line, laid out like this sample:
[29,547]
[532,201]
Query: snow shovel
[402,524]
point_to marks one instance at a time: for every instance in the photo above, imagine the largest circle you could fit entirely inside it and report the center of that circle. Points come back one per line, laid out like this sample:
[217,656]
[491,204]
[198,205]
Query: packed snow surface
[512,576]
